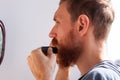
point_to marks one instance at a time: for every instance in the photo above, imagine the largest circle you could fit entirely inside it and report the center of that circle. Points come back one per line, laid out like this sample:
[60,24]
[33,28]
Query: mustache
[54,41]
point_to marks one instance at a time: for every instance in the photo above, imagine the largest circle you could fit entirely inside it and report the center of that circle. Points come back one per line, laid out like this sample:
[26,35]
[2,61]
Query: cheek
[62,36]
[66,40]
[65,35]
[72,39]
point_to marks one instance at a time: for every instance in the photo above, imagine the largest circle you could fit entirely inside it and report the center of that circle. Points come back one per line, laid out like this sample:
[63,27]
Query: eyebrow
[56,17]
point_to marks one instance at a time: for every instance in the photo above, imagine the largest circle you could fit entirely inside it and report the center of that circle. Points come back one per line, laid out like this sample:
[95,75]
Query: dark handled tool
[45,48]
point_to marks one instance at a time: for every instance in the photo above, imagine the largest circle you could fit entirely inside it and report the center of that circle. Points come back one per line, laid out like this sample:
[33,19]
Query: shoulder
[102,73]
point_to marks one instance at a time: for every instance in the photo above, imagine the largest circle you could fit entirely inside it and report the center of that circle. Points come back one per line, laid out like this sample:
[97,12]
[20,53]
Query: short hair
[99,12]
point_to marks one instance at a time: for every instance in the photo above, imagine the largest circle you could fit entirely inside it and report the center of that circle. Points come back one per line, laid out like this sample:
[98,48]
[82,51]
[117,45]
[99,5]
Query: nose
[53,33]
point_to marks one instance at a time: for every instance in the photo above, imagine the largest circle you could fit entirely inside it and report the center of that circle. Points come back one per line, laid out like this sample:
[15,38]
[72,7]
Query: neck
[92,56]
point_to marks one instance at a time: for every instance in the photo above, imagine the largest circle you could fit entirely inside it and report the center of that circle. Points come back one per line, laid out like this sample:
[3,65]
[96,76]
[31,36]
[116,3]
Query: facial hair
[69,52]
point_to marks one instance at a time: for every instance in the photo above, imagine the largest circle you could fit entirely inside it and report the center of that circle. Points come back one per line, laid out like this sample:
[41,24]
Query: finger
[31,65]
[29,61]
[37,53]
[51,55]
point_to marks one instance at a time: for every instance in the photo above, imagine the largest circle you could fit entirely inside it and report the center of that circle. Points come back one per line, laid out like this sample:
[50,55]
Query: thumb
[50,53]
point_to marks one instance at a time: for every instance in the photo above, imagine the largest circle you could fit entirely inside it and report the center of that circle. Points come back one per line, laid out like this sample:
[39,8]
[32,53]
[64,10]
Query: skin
[43,66]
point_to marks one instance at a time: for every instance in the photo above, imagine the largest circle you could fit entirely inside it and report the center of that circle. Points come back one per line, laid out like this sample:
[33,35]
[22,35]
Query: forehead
[62,11]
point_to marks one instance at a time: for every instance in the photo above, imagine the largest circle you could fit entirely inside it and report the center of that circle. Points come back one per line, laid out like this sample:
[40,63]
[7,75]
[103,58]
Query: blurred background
[28,23]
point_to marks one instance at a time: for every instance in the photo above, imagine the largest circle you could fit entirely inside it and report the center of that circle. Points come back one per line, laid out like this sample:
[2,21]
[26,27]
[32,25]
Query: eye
[57,21]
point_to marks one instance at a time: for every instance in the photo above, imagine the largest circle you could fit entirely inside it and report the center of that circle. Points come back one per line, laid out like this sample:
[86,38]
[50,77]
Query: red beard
[68,53]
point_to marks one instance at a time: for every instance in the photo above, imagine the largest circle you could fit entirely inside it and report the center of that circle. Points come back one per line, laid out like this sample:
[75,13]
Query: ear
[83,24]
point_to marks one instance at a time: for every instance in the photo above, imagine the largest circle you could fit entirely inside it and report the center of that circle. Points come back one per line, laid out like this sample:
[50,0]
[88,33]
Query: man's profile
[80,33]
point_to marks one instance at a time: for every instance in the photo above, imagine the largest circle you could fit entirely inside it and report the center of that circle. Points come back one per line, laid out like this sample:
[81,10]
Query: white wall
[114,37]
[27,24]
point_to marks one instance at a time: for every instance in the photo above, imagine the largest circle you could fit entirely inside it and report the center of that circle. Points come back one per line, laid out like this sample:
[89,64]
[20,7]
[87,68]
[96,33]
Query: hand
[63,73]
[42,66]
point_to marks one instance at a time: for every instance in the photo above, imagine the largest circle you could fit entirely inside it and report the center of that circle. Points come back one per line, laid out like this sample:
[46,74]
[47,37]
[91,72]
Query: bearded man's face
[65,37]
[69,50]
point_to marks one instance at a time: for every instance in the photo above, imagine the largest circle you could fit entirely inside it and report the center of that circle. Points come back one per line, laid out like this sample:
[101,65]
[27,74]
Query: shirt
[105,70]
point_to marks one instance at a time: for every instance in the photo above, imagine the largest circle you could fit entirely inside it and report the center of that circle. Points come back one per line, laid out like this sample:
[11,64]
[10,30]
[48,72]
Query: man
[80,34]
